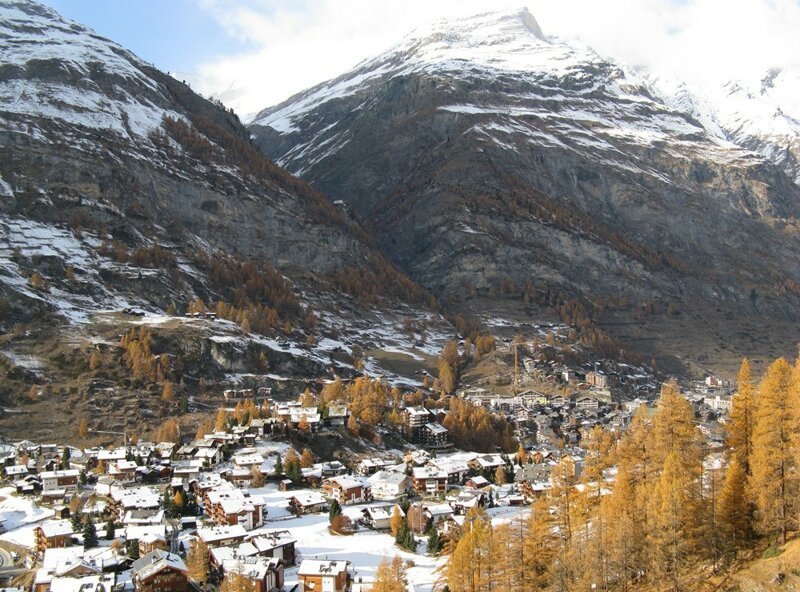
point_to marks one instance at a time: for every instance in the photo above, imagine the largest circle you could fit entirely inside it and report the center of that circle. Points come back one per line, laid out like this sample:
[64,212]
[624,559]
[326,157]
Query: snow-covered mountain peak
[488,28]
[65,72]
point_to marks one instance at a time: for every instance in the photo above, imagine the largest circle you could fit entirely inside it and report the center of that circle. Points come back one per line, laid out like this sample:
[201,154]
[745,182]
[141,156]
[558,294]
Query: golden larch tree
[773,480]
[739,430]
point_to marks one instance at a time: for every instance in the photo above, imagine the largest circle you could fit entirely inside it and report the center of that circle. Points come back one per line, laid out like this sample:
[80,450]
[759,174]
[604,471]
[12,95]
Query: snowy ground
[364,550]
[19,516]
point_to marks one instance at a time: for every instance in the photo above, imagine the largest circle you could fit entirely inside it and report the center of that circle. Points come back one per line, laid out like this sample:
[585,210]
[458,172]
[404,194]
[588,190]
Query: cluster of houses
[134,488]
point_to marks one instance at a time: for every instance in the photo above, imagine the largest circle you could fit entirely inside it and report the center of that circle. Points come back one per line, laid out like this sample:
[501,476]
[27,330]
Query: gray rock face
[98,143]
[482,151]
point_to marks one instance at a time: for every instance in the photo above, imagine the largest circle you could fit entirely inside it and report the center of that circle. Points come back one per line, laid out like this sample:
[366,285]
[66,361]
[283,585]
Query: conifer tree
[306,459]
[389,577]
[734,514]
[500,475]
[434,542]
[221,422]
[334,510]
[739,436]
[89,535]
[396,521]
[83,427]
[534,553]
[773,480]
[674,429]
[197,562]
[671,537]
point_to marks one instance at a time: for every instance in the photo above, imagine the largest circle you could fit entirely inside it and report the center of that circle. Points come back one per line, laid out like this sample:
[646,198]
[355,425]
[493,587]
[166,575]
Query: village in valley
[249,503]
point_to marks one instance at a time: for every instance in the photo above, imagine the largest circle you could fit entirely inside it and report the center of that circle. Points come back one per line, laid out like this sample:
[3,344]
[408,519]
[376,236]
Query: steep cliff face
[483,152]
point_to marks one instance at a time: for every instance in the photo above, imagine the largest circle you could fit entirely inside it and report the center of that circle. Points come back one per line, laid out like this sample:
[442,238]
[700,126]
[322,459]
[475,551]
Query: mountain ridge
[548,166]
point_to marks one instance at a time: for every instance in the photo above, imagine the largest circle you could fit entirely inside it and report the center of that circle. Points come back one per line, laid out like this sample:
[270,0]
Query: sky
[255,53]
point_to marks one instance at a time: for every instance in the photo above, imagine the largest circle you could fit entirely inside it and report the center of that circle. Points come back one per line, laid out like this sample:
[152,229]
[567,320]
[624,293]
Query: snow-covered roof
[387,478]
[315,567]
[156,561]
[221,533]
[53,528]
[59,473]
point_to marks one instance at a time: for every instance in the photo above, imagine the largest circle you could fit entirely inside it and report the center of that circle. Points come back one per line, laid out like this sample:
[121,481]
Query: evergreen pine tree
[110,530]
[434,542]
[334,510]
[89,535]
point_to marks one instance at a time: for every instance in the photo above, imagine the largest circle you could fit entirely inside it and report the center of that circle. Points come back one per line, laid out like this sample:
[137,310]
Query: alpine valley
[489,312]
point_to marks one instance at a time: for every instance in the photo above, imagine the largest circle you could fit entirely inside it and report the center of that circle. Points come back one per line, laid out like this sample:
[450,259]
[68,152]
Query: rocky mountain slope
[485,154]
[121,188]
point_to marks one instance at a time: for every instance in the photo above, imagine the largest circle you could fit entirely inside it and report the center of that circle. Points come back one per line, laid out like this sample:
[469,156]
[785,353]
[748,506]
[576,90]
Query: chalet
[239,477]
[265,574]
[456,470]
[123,470]
[143,517]
[336,415]
[438,513]
[68,569]
[247,461]
[429,480]
[217,536]
[370,466]
[151,542]
[327,576]
[186,470]
[379,517]
[390,485]
[346,490]
[28,484]
[137,532]
[160,571]
[486,462]
[137,498]
[63,482]
[467,499]
[16,472]
[477,482]
[276,543]
[53,534]
[332,468]
[209,455]
[587,403]
[234,506]
[111,456]
[165,450]
[308,503]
